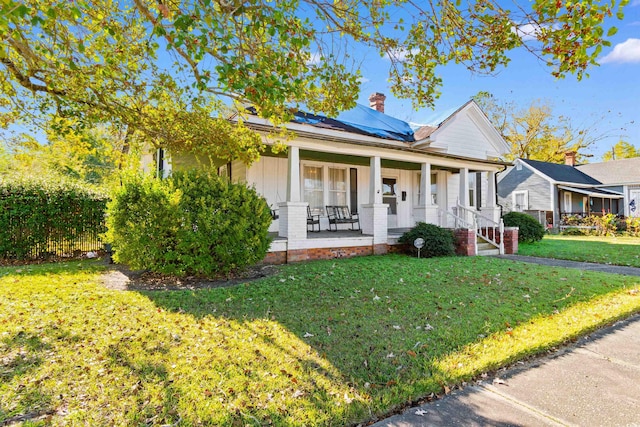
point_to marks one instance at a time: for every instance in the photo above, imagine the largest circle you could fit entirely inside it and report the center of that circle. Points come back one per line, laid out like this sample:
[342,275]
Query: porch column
[374,214]
[555,204]
[463,195]
[426,210]
[293,212]
[491,211]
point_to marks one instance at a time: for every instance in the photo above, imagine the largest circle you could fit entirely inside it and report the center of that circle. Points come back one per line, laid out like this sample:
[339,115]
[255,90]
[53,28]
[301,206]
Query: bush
[192,223]
[530,230]
[40,219]
[438,241]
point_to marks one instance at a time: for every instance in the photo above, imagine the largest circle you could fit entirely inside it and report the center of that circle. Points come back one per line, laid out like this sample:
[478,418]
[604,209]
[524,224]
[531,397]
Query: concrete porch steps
[486,249]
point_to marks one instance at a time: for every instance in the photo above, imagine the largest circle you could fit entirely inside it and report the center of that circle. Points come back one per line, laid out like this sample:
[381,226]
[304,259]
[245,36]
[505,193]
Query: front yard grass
[322,343]
[604,250]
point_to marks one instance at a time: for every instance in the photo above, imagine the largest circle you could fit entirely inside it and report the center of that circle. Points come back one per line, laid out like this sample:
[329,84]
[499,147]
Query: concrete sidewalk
[590,266]
[595,382]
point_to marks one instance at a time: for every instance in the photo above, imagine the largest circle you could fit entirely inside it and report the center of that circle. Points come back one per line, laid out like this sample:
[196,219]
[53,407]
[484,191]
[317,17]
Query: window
[520,201]
[475,189]
[472,189]
[337,187]
[313,187]
[323,185]
[389,195]
[434,189]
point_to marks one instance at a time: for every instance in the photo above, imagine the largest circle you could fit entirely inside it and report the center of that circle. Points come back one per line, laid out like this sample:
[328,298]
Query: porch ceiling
[326,157]
[592,192]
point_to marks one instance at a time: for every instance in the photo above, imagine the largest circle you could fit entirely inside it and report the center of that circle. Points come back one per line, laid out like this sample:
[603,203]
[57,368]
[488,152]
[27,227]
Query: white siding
[462,137]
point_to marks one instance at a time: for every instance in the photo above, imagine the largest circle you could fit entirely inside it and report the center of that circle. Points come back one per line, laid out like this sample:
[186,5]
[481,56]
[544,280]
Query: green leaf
[612,31]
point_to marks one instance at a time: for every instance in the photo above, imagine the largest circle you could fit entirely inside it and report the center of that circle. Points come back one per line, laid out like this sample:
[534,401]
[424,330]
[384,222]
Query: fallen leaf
[411,353]
[307,335]
[497,380]
[421,412]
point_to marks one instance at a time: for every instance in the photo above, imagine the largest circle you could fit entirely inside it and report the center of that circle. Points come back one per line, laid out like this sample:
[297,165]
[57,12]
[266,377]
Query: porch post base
[373,220]
[293,220]
[428,214]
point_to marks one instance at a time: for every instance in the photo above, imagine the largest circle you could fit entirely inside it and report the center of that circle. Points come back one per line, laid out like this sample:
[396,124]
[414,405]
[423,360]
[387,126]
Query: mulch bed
[119,277]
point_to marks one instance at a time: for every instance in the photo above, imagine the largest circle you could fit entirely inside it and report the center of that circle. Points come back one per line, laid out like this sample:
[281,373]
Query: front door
[389,196]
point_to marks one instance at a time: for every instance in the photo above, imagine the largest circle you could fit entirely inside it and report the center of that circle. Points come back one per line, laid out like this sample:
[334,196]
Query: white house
[377,166]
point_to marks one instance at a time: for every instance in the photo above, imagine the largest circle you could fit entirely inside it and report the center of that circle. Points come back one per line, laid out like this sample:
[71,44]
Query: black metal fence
[50,228]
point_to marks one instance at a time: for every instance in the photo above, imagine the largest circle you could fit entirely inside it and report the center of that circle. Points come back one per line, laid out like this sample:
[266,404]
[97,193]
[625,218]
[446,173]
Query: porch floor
[342,234]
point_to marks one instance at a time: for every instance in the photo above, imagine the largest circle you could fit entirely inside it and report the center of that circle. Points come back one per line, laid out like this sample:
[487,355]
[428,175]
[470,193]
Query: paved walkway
[595,382]
[605,268]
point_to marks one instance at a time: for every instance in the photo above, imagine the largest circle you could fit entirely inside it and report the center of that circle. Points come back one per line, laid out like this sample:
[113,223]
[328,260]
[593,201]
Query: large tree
[621,150]
[535,132]
[172,70]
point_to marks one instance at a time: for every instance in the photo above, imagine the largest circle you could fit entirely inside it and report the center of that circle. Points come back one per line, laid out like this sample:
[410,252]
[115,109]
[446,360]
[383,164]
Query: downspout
[495,178]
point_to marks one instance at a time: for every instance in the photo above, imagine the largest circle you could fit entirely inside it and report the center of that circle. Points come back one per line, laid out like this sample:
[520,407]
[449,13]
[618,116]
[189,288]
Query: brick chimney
[376,101]
[570,158]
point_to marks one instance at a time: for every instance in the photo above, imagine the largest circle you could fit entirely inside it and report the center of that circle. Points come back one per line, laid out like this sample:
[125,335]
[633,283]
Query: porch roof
[593,192]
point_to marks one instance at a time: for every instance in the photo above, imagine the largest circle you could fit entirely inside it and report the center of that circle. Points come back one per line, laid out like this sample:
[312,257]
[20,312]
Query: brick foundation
[465,242]
[275,258]
[511,240]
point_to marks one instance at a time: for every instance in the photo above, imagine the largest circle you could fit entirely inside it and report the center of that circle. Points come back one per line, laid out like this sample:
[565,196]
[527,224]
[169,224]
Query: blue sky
[609,100]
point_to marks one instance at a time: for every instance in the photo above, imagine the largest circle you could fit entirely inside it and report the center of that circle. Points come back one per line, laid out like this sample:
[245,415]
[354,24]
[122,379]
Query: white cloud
[635,3]
[363,80]
[527,31]
[315,58]
[400,54]
[627,51]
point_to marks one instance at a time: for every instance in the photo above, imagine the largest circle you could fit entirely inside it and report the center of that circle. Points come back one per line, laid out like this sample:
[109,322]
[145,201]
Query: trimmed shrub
[438,241]
[39,219]
[530,230]
[192,223]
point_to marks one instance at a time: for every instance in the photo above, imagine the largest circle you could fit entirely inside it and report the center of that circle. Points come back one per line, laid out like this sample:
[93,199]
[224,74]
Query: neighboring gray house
[622,176]
[550,192]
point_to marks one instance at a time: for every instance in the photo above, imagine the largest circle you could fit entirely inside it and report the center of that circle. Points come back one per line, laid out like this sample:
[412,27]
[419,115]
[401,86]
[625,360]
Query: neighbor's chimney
[570,158]
[376,101]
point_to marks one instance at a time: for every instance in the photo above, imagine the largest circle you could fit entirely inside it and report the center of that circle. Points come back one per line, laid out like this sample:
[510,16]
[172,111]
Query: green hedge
[44,220]
[192,223]
[530,230]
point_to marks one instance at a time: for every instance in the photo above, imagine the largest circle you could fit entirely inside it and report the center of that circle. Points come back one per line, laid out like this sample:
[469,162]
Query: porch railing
[489,230]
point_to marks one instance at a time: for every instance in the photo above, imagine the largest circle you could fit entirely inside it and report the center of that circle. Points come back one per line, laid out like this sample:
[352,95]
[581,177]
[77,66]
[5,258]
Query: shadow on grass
[387,324]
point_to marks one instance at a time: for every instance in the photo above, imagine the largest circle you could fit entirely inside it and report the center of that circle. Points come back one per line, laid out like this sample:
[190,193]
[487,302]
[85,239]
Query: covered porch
[386,192]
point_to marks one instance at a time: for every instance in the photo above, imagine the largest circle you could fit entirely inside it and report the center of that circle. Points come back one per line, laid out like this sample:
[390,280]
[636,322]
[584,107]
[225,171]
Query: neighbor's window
[337,187]
[313,187]
[520,201]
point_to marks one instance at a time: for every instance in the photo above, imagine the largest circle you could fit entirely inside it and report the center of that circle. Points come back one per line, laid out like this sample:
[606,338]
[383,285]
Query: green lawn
[604,250]
[322,343]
